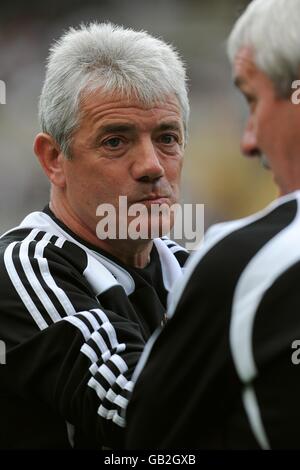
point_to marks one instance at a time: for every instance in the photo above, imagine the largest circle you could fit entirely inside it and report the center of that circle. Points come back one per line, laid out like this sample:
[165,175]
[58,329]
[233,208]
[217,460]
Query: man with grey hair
[77,306]
[231,381]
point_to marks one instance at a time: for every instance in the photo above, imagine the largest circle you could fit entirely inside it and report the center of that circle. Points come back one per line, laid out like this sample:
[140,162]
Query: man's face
[123,148]
[272,129]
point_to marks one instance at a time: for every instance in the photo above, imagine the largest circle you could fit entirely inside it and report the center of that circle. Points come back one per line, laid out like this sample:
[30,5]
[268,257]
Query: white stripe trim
[174,249]
[111,414]
[253,413]
[168,241]
[106,352]
[120,348]
[105,413]
[108,267]
[107,374]
[88,351]
[94,384]
[109,394]
[269,263]
[60,242]
[100,343]
[90,318]
[129,386]
[98,276]
[170,267]
[119,363]
[213,236]
[122,402]
[32,278]
[79,324]
[119,421]
[16,281]
[111,333]
[117,399]
[44,269]
[48,278]
[121,381]
[40,245]
[57,291]
[93,368]
[103,317]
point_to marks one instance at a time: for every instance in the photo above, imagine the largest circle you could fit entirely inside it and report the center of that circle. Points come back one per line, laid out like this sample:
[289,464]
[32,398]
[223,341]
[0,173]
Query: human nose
[249,146]
[147,166]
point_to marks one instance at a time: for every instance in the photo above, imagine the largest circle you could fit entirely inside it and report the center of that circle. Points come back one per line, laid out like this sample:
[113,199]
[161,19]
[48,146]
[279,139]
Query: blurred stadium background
[215,173]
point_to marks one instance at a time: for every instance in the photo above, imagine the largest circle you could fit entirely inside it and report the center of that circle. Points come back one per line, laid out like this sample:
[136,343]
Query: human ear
[51,158]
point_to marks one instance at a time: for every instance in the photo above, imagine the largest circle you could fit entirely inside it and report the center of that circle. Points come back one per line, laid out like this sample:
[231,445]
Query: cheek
[269,120]
[173,175]
[83,187]
[266,133]
[173,170]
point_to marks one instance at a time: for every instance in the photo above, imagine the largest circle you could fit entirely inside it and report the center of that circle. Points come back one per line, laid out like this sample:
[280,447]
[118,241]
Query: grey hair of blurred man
[272,29]
[111,58]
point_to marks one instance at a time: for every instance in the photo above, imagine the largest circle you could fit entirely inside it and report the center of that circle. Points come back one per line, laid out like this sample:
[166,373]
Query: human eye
[113,143]
[168,139]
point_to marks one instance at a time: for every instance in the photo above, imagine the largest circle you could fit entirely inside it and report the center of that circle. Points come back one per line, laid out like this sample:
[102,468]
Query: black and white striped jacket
[228,346]
[74,321]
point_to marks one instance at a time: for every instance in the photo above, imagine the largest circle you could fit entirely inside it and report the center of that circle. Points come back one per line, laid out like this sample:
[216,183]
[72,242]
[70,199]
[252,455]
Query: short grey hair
[271,28]
[115,59]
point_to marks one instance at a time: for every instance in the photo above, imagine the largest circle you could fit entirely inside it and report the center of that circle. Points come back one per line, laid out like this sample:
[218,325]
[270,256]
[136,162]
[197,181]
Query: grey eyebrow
[117,128]
[113,128]
[169,126]
[126,128]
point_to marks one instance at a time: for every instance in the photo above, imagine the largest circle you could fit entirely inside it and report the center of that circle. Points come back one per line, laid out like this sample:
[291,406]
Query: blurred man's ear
[51,158]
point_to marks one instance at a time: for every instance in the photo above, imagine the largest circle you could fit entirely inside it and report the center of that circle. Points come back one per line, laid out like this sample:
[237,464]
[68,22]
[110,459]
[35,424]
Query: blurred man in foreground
[228,378]
[78,298]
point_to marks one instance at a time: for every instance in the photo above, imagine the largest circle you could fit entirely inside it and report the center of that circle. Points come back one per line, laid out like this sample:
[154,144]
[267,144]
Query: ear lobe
[51,158]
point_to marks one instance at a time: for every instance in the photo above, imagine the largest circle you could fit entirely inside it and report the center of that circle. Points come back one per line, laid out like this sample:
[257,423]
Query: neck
[134,253]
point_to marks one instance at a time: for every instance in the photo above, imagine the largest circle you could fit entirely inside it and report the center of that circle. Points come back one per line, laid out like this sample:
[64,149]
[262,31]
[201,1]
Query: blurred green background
[215,173]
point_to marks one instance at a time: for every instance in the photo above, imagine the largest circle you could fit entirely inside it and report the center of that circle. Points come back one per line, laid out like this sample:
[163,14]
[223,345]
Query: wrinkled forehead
[126,97]
[244,64]
[249,77]
[100,104]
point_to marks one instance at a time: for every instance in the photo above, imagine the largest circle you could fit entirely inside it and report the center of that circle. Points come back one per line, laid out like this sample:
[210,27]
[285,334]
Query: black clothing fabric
[74,321]
[220,375]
